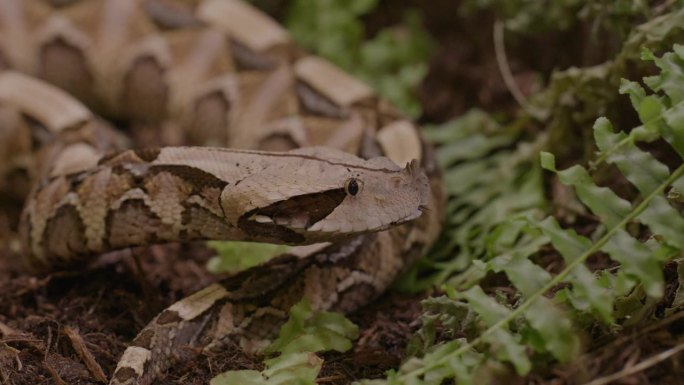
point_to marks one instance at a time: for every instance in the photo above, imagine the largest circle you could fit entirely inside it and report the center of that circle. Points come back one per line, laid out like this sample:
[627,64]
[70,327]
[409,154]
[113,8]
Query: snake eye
[352,187]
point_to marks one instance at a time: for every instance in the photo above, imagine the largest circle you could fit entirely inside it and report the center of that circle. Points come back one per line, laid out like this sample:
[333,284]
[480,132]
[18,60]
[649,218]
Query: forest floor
[46,321]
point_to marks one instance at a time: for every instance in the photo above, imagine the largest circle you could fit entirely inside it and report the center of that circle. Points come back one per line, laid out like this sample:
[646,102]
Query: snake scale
[313,169]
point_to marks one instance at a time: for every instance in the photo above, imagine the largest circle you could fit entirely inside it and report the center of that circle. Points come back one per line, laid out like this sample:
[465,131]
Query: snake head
[321,194]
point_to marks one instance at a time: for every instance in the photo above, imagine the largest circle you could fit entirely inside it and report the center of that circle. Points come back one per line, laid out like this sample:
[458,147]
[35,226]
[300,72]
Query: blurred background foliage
[394,61]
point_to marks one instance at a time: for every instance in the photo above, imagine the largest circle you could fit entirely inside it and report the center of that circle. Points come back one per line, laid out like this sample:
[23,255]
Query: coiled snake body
[207,72]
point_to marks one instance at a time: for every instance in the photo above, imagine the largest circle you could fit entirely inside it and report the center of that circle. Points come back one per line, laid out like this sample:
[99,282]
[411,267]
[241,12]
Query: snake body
[208,72]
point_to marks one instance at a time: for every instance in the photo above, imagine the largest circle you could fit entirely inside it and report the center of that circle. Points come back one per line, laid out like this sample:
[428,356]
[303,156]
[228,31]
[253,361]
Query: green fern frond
[296,368]
[488,179]
[542,314]
[304,334]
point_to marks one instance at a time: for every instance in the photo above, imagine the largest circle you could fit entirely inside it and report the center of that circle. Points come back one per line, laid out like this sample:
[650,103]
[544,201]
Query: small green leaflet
[299,338]
[288,369]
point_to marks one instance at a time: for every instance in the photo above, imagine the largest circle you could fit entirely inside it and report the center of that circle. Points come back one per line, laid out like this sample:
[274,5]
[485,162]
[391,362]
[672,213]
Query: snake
[257,140]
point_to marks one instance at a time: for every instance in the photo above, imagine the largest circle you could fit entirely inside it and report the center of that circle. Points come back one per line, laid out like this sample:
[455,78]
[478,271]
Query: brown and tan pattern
[210,72]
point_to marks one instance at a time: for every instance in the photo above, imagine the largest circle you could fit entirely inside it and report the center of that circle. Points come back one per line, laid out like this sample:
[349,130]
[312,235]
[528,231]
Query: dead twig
[7,331]
[633,335]
[47,346]
[85,354]
[641,366]
[53,373]
[507,75]
[6,349]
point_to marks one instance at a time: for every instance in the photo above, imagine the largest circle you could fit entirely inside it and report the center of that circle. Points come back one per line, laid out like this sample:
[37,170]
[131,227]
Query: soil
[45,321]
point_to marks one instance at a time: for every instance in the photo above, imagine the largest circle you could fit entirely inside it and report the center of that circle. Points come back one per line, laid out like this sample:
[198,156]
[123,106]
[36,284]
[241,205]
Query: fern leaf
[523,274]
[637,261]
[664,221]
[507,347]
[447,360]
[646,173]
[490,310]
[674,117]
[298,368]
[670,80]
[635,92]
[304,333]
[461,128]
[537,321]
[555,329]
[502,342]
[233,257]
[586,293]
[475,146]
[601,200]
[309,332]
[639,167]
[242,377]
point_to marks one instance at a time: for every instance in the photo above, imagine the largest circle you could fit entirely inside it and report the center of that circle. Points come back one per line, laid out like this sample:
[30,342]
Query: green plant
[304,334]
[576,96]
[233,257]
[547,311]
